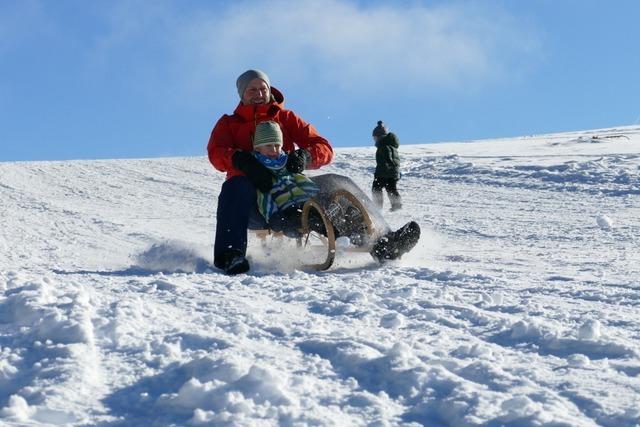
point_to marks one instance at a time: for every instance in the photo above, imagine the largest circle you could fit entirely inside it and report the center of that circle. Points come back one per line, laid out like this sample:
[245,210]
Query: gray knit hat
[267,133]
[380,130]
[246,77]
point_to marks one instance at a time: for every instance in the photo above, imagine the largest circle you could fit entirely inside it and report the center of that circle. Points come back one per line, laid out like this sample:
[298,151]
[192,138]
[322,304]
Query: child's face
[270,150]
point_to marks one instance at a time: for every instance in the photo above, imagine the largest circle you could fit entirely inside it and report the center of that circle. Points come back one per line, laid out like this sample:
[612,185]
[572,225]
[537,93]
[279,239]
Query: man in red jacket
[229,150]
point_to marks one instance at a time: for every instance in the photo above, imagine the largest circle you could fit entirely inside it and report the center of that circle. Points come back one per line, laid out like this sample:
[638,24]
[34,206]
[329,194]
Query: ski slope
[520,305]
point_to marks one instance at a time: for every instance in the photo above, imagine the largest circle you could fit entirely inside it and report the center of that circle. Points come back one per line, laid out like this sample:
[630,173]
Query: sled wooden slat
[329,239]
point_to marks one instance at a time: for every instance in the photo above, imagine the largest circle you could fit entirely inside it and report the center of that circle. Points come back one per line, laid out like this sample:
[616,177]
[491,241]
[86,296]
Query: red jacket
[235,132]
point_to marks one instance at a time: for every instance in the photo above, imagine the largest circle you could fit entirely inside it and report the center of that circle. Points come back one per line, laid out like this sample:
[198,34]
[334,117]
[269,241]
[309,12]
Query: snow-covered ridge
[604,161]
[518,307]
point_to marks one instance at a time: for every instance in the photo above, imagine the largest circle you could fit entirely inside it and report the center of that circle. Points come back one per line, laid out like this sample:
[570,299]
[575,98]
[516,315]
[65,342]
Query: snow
[518,307]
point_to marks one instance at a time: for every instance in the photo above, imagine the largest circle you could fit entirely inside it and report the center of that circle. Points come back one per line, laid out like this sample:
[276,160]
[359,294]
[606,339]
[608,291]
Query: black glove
[298,160]
[257,173]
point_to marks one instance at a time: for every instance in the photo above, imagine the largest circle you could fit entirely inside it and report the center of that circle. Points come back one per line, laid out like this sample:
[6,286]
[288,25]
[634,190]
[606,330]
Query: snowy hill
[520,305]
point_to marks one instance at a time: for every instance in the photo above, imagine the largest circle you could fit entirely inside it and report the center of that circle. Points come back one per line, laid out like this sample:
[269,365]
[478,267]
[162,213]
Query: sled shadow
[202,268]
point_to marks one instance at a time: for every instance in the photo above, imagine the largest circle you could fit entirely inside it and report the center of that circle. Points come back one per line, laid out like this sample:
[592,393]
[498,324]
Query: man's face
[270,150]
[257,92]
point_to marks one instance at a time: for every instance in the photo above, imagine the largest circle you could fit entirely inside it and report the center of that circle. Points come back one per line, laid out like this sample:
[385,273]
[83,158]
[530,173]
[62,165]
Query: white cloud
[353,49]
[357,48]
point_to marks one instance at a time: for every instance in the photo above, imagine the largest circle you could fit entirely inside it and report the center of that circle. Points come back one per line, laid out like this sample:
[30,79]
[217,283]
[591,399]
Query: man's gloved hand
[298,160]
[257,173]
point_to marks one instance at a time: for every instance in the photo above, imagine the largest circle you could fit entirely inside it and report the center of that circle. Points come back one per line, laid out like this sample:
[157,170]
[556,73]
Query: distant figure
[387,171]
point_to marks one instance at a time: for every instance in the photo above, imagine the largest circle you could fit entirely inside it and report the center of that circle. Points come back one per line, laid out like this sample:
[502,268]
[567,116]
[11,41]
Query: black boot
[396,243]
[232,262]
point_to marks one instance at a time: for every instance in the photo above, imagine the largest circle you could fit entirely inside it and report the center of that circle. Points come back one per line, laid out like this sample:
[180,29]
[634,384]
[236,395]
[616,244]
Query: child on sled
[281,208]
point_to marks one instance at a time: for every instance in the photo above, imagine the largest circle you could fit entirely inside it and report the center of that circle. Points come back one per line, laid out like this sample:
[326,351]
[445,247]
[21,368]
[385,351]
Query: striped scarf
[288,189]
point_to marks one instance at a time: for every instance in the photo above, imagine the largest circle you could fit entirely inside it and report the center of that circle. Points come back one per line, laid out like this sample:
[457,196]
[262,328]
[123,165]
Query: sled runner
[340,214]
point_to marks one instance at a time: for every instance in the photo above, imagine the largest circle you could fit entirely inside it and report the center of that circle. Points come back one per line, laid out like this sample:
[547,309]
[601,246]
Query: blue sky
[129,79]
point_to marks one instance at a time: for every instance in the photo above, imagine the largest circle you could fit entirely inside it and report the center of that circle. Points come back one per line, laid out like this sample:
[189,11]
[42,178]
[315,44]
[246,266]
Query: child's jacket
[387,158]
[288,189]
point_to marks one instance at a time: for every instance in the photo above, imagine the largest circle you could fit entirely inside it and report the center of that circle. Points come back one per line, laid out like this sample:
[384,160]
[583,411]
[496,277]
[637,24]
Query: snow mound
[171,257]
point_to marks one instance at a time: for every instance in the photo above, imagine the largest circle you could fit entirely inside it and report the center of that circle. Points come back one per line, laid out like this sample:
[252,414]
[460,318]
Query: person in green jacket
[387,171]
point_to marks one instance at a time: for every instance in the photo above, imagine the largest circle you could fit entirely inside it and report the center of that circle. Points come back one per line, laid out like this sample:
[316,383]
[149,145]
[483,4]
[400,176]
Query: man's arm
[306,136]
[221,146]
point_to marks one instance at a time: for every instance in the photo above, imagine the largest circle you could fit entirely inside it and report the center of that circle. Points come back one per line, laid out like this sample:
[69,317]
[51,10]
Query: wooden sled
[344,214]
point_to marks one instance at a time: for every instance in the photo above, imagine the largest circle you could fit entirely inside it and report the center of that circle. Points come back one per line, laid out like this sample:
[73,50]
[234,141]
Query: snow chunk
[520,407]
[476,350]
[401,354]
[17,409]
[343,242]
[220,392]
[491,299]
[201,417]
[392,320]
[604,222]
[523,329]
[589,330]
[7,369]
[578,360]
[263,385]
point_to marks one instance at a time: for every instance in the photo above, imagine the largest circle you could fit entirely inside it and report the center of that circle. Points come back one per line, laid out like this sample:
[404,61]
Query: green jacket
[387,157]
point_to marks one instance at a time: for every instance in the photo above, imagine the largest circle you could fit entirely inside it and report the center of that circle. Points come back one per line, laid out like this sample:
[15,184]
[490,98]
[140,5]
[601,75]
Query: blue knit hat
[246,77]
